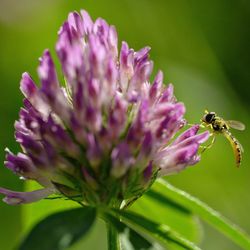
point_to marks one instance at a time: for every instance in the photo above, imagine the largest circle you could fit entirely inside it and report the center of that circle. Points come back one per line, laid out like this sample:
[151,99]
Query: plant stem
[112,238]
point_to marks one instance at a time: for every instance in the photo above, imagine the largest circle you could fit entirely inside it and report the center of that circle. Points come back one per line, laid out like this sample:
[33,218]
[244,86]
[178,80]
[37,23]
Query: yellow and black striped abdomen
[236,147]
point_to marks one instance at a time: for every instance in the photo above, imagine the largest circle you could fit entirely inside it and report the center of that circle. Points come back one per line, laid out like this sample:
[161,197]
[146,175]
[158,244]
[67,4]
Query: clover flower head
[106,133]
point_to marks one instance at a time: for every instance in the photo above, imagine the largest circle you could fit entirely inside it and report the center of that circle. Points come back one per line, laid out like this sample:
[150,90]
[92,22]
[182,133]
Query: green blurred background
[203,47]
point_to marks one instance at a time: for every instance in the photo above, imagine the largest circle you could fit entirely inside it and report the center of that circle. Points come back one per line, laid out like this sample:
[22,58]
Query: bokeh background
[203,47]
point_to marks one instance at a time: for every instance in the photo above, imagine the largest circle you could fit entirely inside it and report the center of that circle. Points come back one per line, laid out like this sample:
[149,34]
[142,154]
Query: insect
[218,125]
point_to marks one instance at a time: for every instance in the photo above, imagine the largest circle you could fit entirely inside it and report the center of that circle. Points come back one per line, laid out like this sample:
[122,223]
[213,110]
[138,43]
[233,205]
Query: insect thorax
[219,125]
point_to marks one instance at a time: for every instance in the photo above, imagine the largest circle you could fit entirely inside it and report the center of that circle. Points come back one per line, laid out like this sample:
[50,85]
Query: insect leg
[191,125]
[209,145]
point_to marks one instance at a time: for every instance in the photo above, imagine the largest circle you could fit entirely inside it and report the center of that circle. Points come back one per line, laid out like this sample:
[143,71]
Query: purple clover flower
[108,133]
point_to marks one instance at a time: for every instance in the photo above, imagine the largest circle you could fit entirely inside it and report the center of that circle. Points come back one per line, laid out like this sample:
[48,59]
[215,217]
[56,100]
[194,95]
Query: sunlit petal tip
[87,21]
[27,85]
[187,134]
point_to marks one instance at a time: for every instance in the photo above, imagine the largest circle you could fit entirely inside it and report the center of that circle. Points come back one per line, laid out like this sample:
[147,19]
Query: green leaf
[175,216]
[203,211]
[129,239]
[159,232]
[60,230]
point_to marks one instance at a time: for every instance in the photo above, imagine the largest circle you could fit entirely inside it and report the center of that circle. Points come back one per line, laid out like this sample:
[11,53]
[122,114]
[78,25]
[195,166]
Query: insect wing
[236,125]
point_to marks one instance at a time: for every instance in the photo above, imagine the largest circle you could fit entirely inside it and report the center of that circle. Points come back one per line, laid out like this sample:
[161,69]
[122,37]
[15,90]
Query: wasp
[218,125]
